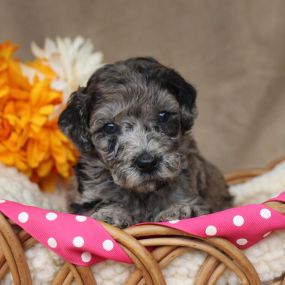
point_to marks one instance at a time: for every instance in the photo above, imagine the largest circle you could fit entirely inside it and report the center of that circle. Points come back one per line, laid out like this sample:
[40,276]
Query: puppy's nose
[146,162]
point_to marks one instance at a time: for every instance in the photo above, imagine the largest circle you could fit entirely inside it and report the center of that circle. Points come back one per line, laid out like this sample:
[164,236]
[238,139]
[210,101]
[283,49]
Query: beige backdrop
[232,51]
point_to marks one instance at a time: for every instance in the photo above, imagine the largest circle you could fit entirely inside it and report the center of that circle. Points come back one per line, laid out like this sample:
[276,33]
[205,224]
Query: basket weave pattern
[169,243]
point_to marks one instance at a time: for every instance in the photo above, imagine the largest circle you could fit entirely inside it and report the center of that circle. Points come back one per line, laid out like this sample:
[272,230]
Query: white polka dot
[78,241]
[267,234]
[81,218]
[23,217]
[86,256]
[238,220]
[211,231]
[242,241]
[174,221]
[265,213]
[108,245]
[52,242]
[2,201]
[51,216]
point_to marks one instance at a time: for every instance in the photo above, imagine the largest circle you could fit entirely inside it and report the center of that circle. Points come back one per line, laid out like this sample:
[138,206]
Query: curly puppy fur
[132,124]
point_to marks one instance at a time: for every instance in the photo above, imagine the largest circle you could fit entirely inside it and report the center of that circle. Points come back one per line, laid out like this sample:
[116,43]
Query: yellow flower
[5,129]
[29,136]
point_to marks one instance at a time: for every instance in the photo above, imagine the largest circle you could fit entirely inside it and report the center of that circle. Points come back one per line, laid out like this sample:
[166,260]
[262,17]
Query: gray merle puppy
[138,160]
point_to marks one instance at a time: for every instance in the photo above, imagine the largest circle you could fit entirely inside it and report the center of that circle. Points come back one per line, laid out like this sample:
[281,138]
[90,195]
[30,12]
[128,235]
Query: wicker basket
[169,243]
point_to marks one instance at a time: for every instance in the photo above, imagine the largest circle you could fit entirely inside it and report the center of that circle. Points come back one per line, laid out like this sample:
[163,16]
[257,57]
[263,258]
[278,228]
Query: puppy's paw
[179,212]
[199,210]
[176,212]
[115,217]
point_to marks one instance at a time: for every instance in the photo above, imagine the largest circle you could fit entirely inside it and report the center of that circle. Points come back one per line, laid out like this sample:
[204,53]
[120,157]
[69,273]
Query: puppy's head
[134,114]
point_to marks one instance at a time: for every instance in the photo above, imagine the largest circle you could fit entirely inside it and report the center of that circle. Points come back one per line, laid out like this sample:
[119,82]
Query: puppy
[132,125]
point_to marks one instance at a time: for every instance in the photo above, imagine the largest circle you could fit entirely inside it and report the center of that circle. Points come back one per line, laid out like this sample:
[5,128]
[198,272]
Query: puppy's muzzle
[147,162]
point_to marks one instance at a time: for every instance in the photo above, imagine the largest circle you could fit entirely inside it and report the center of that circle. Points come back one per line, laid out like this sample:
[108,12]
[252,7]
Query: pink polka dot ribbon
[77,239]
[83,241]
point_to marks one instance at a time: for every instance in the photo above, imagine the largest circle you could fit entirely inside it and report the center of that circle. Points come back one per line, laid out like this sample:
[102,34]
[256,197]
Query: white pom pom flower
[73,62]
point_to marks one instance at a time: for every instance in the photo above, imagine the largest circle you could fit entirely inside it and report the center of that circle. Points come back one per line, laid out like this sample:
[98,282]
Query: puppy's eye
[163,116]
[110,128]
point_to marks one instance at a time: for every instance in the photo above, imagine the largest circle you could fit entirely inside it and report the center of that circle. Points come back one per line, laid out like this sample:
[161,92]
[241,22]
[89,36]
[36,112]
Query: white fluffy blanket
[268,256]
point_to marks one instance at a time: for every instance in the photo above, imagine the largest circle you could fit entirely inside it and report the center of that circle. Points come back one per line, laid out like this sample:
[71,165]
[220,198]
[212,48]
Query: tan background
[232,51]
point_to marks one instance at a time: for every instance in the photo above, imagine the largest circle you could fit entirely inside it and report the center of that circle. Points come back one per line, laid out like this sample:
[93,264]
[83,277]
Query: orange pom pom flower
[29,136]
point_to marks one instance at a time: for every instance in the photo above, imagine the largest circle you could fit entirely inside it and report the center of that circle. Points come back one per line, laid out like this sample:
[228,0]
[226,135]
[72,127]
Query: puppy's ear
[187,100]
[74,120]
[186,95]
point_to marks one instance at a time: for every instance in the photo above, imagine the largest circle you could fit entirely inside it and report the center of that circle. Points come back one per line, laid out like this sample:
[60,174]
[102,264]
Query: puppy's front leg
[115,215]
[183,210]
